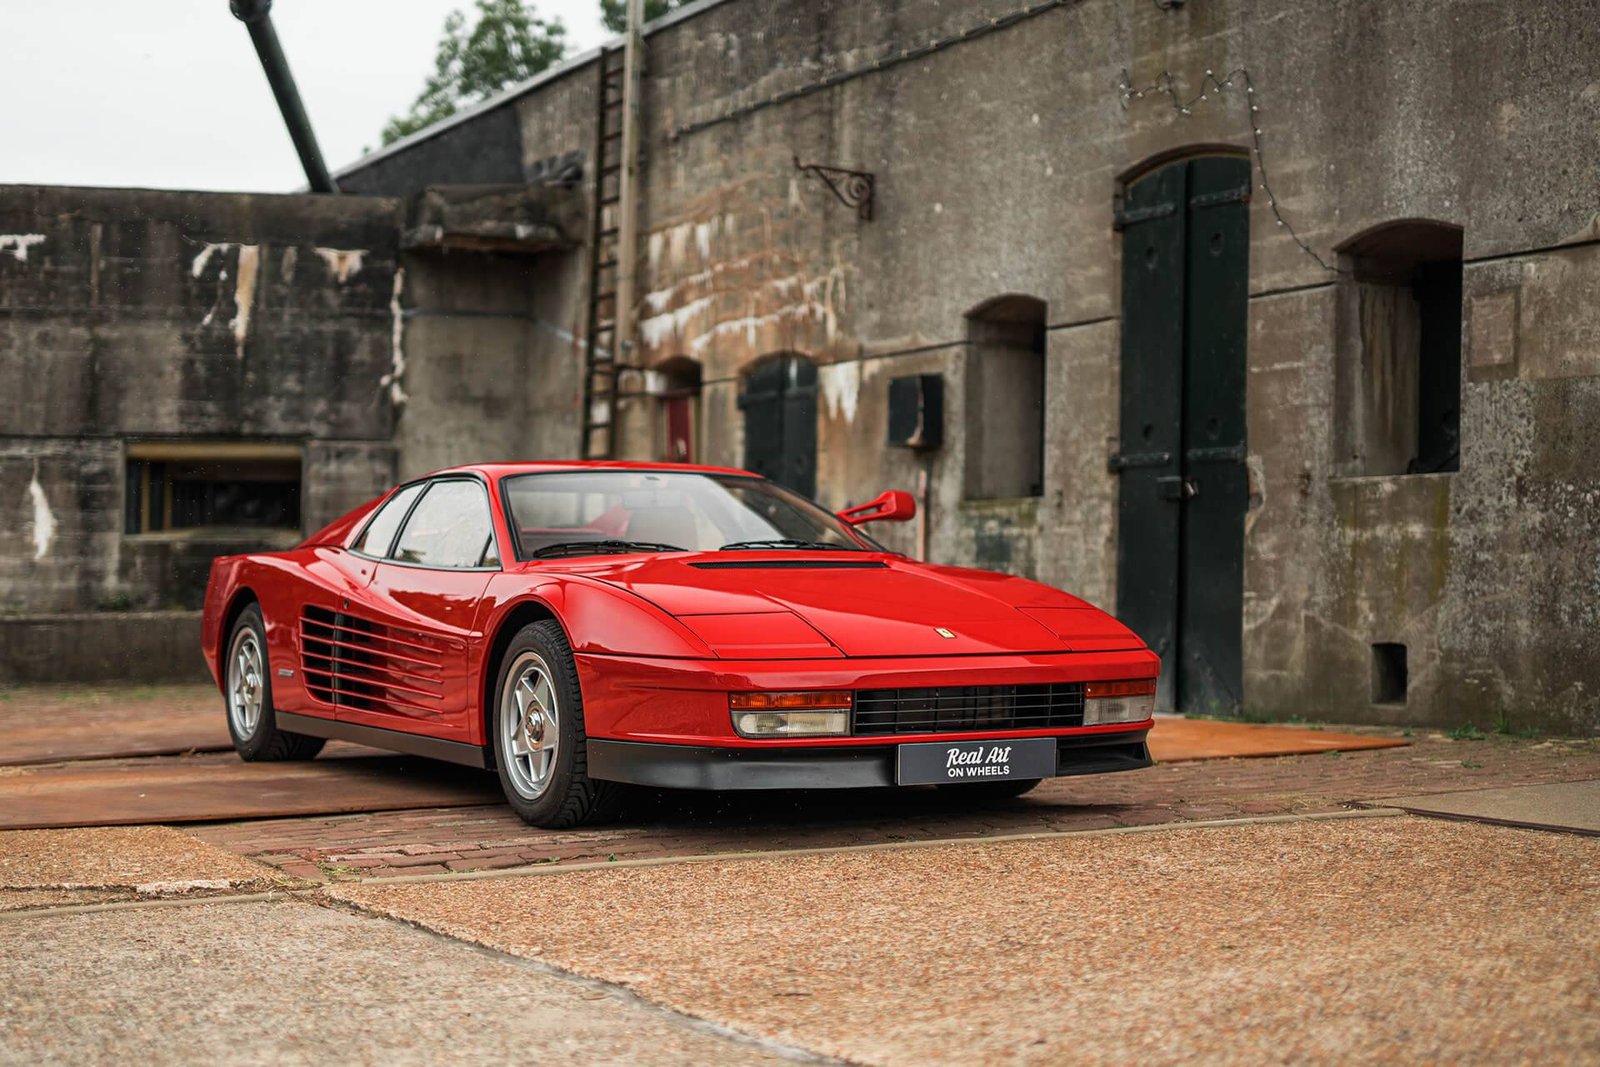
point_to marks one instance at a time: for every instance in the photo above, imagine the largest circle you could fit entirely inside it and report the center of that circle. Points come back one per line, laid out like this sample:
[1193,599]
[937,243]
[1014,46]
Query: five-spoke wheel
[247,682]
[540,747]
[530,725]
[247,694]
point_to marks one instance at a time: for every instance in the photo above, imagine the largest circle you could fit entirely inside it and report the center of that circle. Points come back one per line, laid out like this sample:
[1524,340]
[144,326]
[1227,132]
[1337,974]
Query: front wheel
[540,748]
[248,698]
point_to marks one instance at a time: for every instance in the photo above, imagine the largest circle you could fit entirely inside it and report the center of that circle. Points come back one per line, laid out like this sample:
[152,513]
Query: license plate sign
[953,762]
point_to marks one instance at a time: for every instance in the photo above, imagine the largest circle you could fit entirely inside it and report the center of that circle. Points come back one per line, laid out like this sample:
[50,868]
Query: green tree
[614,13]
[507,44]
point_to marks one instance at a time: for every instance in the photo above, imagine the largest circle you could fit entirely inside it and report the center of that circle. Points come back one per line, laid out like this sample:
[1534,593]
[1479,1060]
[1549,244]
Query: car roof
[496,471]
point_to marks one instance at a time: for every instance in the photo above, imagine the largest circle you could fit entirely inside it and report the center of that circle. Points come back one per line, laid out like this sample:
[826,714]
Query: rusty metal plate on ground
[220,786]
[47,725]
[1175,739]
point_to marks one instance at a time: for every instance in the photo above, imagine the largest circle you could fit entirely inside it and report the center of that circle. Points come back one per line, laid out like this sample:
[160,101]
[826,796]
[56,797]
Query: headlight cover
[1123,701]
[805,714]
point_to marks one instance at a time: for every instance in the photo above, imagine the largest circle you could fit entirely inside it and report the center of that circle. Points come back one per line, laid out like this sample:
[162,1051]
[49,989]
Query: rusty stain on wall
[342,262]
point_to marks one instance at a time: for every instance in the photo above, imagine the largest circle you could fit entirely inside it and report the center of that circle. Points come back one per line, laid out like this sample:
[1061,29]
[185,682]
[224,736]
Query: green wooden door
[779,401]
[1184,489]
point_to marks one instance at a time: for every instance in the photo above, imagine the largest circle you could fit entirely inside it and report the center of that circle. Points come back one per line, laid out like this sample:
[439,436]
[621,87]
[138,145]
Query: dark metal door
[1152,404]
[1184,489]
[779,401]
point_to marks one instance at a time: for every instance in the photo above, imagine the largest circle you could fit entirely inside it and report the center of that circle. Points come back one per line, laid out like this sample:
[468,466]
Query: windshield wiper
[785,542]
[602,548]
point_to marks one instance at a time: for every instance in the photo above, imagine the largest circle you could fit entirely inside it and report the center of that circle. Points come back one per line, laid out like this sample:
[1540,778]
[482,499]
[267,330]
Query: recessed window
[1388,674]
[676,385]
[226,485]
[1399,351]
[1004,399]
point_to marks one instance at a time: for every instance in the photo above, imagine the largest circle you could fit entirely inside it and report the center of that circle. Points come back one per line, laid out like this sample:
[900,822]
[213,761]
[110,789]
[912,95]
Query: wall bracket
[854,188]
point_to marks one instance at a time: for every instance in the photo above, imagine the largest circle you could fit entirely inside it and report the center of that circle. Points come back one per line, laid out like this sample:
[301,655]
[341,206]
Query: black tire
[552,791]
[991,792]
[258,740]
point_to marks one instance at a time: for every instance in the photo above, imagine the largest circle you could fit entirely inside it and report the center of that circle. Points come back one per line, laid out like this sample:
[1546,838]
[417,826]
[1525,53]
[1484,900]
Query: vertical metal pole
[627,187]
[257,17]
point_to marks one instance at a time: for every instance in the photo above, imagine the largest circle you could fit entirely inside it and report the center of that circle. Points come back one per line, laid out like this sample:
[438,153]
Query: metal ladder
[602,362]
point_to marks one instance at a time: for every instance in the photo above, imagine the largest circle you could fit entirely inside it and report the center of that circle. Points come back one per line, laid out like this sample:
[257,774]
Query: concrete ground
[490,837]
[1358,937]
[1233,910]
[288,982]
[1336,940]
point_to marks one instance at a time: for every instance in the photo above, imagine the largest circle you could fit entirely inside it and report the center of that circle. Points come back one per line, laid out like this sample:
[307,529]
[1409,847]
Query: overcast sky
[168,94]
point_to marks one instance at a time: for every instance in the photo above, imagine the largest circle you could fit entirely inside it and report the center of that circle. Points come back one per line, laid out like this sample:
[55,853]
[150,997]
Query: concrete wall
[139,647]
[997,157]
[131,315]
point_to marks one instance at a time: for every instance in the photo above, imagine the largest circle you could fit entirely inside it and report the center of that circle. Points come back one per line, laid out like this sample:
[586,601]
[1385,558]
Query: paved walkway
[1571,807]
[490,837]
[1351,936]
[1351,940]
[290,983]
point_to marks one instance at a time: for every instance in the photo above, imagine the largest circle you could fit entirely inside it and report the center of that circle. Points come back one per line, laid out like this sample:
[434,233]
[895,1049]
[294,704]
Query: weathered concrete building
[1270,326]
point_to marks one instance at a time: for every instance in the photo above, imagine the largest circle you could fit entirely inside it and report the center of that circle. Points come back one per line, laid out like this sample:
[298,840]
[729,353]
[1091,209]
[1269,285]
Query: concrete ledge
[143,646]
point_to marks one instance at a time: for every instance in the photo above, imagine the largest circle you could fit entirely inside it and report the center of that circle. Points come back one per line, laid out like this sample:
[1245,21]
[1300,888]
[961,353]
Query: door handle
[1176,488]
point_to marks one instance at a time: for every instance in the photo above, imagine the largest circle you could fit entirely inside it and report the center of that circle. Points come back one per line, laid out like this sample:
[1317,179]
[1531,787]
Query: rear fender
[224,593]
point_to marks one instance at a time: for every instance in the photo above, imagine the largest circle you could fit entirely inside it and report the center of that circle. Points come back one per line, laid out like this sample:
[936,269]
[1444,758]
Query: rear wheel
[540,748]
[247,695]
[988,792]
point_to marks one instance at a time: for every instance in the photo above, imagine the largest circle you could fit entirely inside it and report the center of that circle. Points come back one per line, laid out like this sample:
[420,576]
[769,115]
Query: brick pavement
[663,825]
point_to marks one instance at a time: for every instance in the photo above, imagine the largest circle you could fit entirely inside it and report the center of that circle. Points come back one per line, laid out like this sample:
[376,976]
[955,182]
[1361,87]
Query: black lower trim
[377,737]
[704,767]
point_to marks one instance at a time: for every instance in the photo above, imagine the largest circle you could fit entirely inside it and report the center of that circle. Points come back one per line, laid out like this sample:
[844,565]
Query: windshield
[590,512]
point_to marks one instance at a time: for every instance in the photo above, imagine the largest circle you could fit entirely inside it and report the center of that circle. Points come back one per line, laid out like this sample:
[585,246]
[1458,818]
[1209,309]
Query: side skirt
[377,737]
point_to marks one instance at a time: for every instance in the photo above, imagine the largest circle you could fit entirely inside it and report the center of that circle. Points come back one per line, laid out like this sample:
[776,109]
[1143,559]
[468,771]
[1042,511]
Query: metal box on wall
[916,411]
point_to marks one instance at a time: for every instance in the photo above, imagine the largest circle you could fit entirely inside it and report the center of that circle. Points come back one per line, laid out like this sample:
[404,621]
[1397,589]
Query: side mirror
[896,505]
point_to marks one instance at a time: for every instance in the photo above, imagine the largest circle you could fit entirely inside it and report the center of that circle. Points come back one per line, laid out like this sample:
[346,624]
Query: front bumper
[831,767]
[685,702]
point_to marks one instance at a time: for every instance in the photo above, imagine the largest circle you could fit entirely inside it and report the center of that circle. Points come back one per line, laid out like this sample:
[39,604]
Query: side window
[379,534]
[450,527]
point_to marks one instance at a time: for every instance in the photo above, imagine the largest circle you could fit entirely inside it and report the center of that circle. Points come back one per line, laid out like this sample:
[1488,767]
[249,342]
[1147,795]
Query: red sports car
[580,626]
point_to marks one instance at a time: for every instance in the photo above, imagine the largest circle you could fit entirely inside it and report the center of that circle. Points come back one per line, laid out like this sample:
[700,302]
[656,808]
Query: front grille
[957,708]
[357,663]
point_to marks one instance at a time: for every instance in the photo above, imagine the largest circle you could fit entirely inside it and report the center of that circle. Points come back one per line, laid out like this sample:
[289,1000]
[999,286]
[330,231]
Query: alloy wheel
[530,725]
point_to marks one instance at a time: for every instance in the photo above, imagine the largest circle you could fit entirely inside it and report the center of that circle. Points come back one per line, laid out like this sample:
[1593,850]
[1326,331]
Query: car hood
[864,605]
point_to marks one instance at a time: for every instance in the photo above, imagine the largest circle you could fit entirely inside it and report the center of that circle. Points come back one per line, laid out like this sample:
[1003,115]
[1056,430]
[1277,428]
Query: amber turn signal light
[1136,688]
[790,701]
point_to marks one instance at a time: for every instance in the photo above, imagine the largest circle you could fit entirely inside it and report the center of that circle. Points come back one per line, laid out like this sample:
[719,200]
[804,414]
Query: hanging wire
[1166,85]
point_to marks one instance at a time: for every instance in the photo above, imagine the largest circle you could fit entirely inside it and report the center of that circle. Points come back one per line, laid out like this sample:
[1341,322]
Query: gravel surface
[1361,940]
[293,983]
[118,857]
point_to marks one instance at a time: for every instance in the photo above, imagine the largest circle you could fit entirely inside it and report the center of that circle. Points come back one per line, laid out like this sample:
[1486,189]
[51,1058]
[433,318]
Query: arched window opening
[1398,391]
[1003,409]
[675,383]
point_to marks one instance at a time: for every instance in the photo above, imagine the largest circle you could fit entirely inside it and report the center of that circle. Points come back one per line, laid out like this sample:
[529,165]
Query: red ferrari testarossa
[580,626]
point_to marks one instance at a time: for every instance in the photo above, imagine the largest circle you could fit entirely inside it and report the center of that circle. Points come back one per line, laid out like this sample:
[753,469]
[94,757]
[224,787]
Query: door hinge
[1221,196]
[1236,453]
[1123,219]
[1120,461]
